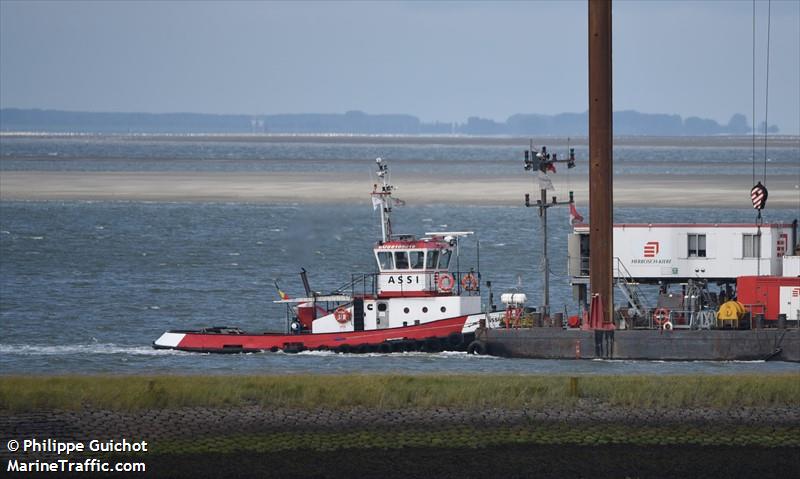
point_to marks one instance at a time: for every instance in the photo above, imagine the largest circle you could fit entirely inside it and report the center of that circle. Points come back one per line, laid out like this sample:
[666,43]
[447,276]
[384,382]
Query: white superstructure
[678,252]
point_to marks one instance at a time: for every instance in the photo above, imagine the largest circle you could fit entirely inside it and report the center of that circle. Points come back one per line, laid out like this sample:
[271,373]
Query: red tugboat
[413,302]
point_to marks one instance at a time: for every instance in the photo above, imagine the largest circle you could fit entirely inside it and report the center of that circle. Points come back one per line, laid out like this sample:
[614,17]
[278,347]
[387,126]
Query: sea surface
[343,154]
[86,286]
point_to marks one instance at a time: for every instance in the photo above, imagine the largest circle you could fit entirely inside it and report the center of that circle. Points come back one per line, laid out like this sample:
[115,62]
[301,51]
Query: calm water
[86,286]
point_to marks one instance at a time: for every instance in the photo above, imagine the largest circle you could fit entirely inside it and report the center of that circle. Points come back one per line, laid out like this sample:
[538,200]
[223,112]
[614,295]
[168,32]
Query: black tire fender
[455,340]
[477,347]
[432,345]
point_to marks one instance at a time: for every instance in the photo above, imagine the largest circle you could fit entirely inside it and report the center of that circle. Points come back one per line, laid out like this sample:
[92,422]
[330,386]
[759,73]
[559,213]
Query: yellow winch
[730,311]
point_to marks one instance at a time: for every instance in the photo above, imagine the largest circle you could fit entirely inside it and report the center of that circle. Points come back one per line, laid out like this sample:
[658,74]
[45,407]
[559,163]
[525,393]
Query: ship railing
[363,284]
[630,288]
[459,280]
[755,309]
[679,319]
[703,319]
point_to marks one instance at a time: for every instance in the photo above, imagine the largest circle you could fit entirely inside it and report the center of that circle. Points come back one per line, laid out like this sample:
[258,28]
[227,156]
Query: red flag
[283,295]
[574,216]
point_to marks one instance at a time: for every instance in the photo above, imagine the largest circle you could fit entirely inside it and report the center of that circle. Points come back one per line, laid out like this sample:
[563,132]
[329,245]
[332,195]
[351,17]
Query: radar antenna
[382,198]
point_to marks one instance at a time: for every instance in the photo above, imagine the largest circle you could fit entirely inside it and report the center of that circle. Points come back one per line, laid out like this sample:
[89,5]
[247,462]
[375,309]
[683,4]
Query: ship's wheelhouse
[413,256]
[413,267]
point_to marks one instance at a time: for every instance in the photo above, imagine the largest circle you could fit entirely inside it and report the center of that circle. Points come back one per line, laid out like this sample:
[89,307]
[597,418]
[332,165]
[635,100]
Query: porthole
[406,310]
[425,309]
[443,309]
[381,306]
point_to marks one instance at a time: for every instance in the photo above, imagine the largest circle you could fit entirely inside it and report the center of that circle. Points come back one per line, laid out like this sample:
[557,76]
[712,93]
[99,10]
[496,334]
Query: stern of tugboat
[169,340]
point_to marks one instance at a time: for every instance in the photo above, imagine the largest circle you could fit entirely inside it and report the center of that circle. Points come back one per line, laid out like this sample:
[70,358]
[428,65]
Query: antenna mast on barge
[541,162]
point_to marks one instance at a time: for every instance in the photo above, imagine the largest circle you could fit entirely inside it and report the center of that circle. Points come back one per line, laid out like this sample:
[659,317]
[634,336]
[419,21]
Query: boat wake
[112,349]
[440,355]
[94,348]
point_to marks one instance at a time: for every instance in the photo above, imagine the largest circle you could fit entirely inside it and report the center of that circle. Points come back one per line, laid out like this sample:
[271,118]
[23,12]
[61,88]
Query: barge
[690,291]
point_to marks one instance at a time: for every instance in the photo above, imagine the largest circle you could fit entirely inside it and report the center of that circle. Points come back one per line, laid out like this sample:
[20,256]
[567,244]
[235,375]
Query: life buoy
[342,314]
[661,316]
[469,282]
[445,282]
[574,321]
[667,326]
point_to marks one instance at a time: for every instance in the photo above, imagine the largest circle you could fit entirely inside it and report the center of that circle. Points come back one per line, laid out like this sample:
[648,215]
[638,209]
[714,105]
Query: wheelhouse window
[444,258]
[433,257]
[385,260]
[401,259]
[697,245]
[751,246]
[417,259]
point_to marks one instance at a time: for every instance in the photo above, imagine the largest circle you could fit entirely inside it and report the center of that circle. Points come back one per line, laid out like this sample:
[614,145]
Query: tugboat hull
[432,336]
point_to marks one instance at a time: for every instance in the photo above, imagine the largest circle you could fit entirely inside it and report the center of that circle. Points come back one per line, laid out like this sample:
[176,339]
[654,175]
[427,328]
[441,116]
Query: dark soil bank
[583,441]
[502,462]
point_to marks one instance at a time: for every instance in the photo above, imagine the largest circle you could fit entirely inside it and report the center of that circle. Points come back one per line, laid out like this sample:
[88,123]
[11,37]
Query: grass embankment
[19,394]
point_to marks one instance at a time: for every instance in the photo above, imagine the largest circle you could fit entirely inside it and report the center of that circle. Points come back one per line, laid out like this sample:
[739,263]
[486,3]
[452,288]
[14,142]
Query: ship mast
[382,198]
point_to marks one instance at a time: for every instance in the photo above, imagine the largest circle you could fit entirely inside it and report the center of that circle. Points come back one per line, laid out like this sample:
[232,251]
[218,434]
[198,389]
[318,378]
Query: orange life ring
[342,314]
[469,282]
[574,321]
[661,316]
[445,282]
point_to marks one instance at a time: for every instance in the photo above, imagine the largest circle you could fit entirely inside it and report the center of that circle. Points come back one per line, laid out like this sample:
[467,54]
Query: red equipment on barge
[770,296]
[413,302]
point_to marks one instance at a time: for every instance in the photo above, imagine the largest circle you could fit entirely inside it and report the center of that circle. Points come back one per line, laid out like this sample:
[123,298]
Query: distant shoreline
[723,141]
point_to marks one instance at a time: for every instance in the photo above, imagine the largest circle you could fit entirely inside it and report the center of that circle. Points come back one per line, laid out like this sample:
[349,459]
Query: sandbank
[721,191]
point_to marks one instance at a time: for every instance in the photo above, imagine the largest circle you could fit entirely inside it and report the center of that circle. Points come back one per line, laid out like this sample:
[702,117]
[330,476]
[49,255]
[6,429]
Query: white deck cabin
[674,252]
[414,286]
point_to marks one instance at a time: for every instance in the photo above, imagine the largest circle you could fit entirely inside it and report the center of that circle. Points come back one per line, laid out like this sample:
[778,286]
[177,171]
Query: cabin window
[417,259]
[401,259]
[444,259]
[433,257]
[751,246]
[385,260]
[697,245]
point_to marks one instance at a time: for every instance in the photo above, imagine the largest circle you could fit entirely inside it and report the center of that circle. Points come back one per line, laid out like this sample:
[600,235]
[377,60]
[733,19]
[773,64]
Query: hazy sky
[440,61]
